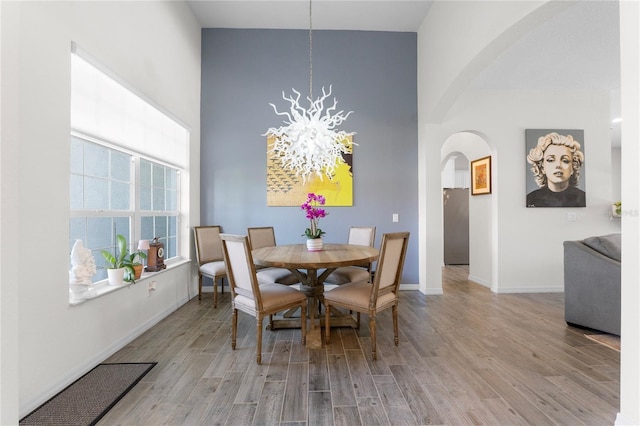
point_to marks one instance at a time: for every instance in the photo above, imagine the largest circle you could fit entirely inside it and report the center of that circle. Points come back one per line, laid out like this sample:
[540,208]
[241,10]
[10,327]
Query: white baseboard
[409,287]
[416,287]
[487,284]
[480,281]
[530,290]
[209,288]
[622,421]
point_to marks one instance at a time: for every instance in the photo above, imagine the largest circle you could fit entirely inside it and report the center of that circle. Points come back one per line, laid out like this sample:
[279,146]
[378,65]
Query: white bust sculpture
[83,265]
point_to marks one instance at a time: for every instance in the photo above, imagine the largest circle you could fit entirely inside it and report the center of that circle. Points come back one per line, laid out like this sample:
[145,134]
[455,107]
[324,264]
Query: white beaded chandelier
[309,143]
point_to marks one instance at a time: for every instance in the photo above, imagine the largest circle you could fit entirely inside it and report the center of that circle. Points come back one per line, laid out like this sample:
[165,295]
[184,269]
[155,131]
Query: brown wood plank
[296,393]
[320,409]
[346,415]
[270,405]
[363,385]
[340,378]
[372,412]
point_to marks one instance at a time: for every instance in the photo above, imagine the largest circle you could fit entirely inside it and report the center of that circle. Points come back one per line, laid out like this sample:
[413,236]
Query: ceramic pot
[314,244]
[116,276]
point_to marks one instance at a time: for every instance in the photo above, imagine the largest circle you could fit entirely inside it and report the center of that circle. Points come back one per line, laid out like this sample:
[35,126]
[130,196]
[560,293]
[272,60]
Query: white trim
[101,288]
[480,281]
[514,290]
[623,421]
[103,141]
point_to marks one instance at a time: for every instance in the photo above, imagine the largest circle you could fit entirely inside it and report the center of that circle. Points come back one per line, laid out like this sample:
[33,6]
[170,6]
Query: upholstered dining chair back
[208,243]
[210,258]
[372,298]
[390,266]
[362,236]
[262,237]
[265,236]
[251,297]
[240,270]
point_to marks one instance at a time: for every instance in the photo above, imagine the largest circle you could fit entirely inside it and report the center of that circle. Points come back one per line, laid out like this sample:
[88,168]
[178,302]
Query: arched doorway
[482,241]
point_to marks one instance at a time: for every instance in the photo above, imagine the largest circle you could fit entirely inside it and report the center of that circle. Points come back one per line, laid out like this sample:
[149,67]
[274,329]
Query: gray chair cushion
[276,275]
[609,245]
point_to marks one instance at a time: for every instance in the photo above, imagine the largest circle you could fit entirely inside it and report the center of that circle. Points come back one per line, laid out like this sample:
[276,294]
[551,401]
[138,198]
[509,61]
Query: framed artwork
[284,188]
[481,176]
[555,168]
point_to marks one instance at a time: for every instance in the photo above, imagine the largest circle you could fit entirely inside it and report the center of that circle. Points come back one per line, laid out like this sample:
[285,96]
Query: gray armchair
[592,283]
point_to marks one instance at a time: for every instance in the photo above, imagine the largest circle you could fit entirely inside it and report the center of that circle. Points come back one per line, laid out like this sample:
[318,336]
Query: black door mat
[88,399]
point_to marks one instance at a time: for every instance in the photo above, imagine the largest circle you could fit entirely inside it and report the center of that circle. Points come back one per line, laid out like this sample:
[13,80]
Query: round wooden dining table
[312,268]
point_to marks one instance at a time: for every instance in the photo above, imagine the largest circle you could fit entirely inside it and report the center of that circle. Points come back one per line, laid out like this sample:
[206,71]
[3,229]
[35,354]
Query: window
[159,205]
[104,191]
[126,161]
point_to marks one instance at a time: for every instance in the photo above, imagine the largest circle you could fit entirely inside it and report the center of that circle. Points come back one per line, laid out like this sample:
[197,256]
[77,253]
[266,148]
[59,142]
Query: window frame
[135,214]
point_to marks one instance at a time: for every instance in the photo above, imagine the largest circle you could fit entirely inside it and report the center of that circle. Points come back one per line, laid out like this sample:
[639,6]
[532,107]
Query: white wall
[616,181]
[630,99]
[529,237]
[155,46]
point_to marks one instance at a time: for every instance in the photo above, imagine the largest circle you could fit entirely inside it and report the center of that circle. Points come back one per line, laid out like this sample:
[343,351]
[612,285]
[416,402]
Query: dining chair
[254,298]
[363,297]
[210,258]
[363,236]
[265,236]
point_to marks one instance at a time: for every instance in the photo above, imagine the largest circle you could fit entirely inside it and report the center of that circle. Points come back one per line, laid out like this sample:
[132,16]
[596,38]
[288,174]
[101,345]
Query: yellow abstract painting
[284,188]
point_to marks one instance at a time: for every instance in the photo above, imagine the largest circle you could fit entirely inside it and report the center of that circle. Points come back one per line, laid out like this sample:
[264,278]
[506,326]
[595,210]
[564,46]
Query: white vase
[116,276]
[314,244]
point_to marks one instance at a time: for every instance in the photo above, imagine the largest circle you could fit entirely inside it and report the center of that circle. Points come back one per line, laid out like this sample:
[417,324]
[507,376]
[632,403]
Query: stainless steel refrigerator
[456,226]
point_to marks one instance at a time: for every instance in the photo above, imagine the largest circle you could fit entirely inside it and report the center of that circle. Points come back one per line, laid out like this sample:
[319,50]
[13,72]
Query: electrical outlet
[395,218]
[152,287]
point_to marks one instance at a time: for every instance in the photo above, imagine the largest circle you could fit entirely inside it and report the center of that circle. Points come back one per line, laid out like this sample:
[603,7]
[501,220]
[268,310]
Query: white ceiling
[377,15]
[576,49]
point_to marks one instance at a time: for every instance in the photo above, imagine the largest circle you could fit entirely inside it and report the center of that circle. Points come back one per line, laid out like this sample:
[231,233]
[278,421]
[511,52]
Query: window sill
[102,287]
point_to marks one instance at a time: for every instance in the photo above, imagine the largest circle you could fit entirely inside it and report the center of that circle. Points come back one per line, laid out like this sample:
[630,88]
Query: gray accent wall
[374,74]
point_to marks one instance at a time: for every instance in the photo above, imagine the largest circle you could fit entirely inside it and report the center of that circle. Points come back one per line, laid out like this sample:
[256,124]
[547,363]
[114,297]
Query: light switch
[572,217]
[395,217]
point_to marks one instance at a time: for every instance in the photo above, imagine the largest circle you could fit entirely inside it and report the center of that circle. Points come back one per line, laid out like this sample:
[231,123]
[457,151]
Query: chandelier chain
[310,53]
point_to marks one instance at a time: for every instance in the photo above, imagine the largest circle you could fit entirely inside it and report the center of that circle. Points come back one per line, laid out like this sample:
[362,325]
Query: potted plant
[314,213]
[117,266]
[616,209]
[135,261]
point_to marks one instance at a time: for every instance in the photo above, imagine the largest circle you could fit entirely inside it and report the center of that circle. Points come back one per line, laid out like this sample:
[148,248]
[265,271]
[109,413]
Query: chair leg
[372,327]
[303,321]
[358,320]
[199,286]
[327,323]
[394,309]
[259,341]
[215,293]
[234,327]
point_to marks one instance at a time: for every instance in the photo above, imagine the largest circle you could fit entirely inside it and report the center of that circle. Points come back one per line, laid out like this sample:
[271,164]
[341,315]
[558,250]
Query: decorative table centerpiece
[314,213]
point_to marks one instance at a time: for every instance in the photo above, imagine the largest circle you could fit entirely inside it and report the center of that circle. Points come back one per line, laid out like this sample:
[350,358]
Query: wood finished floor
[466,357]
